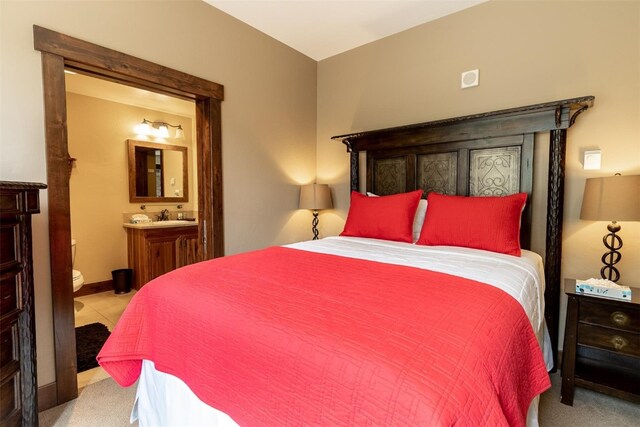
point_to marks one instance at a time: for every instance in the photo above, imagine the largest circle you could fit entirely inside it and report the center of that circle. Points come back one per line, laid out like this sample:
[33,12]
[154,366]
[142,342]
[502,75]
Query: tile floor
[105,308]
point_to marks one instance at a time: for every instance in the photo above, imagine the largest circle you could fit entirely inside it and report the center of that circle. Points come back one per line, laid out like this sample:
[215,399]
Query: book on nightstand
[603,288]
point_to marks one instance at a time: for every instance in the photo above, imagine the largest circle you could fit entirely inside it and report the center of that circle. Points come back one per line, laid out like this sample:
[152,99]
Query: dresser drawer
[10,409]
[10,295]
[614,340]
[14,201]
[10,245]
[620,317]
[9,354]
[11,202]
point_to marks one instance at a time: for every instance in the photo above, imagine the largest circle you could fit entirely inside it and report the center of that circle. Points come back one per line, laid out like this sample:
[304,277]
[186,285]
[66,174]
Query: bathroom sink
[173,222]
[163,224]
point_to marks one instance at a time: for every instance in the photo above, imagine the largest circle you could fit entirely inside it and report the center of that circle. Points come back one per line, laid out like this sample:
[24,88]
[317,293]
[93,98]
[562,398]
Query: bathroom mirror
[157,172]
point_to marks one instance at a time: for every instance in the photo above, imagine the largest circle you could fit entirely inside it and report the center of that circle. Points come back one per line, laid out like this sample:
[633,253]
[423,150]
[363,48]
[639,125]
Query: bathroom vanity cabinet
[18,385]
[156,250]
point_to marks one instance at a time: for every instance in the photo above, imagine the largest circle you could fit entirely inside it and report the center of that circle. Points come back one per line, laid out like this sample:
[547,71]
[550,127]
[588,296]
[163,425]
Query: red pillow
[489,223]
[386,217]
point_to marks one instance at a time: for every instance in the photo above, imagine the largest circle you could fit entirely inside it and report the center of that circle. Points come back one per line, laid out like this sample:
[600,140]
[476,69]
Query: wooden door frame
[59,52]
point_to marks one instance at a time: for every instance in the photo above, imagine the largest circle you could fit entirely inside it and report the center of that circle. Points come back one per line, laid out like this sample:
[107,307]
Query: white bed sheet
[163,399]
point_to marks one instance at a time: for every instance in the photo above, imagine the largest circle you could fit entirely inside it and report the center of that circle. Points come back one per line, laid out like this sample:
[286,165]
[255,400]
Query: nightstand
[601,345]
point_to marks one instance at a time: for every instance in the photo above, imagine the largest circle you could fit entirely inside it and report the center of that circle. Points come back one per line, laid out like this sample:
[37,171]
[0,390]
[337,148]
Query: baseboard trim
[47,396]
[94,288]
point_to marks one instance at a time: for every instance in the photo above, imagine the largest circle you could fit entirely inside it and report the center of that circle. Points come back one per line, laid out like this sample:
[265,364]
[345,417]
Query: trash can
[122,280]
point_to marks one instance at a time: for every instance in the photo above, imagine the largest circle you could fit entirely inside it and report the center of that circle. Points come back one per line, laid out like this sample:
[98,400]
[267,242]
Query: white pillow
[418,220]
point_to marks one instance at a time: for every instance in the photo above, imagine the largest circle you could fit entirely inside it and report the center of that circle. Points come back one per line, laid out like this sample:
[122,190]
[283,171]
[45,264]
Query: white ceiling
[317,28]
[103,89]
[323,28]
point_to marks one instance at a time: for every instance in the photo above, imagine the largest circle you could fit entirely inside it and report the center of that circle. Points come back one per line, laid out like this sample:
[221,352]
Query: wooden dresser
[601,345]
[18,385]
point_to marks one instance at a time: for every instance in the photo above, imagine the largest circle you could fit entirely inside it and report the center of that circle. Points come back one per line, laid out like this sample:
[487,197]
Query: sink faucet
[164,215]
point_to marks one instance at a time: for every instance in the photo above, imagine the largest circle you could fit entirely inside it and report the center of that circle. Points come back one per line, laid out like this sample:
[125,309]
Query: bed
[359,330]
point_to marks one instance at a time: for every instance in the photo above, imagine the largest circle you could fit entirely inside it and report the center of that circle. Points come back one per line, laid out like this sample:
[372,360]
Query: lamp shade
[613,198]
[315,197]
[163,131]
[179,133]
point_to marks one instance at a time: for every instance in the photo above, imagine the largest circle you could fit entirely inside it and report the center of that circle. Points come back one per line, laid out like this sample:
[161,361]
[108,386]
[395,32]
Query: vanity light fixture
[158,129]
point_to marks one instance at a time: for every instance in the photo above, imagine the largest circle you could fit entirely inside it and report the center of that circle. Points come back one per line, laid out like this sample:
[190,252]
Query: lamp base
[613,242]
[314,225]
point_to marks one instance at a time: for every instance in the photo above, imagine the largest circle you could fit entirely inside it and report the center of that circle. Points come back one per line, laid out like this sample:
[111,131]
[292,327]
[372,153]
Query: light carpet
[107,404]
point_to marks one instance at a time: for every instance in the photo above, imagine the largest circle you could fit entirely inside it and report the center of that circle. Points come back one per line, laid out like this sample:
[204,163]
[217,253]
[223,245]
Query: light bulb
[142,129]
[163,131]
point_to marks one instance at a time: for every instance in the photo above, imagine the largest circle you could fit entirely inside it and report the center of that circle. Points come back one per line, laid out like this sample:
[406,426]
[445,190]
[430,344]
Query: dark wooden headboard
[479,167]
[484,154]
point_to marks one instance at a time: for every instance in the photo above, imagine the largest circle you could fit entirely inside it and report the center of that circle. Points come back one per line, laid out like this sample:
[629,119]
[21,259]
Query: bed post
[555,216]
[355,167]
[553,255]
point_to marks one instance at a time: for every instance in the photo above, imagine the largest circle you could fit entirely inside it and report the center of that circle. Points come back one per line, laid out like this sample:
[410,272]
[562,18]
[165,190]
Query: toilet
[78,280]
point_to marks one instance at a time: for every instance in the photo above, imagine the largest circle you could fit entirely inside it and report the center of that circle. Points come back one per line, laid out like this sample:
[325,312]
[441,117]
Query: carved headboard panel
[479,155]
[480,167]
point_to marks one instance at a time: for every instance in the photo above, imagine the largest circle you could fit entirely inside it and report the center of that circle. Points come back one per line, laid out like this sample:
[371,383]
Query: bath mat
[89,340]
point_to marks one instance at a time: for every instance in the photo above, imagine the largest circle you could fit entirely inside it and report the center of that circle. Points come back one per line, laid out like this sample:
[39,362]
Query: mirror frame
[133,198]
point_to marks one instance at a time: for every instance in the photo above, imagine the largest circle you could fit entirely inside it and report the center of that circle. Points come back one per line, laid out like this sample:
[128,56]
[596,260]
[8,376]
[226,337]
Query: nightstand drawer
[613,340]
[619,317]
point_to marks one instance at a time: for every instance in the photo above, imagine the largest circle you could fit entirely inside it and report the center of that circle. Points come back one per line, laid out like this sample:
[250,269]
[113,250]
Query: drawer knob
[618,342]
[620,318]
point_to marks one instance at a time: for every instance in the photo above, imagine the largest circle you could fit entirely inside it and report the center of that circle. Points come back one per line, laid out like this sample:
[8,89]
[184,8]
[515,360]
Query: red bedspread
[287,337]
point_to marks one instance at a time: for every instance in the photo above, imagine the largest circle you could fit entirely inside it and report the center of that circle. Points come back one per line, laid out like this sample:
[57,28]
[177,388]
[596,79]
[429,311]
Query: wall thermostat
[592,159]
[470,79]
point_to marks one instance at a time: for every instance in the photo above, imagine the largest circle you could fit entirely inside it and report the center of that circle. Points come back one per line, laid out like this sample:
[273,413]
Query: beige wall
[172,166]
[268,116]
[98,131]
[527,53]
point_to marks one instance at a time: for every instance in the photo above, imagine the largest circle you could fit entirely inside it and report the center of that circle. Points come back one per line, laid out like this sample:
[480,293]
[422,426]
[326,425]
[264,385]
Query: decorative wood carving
[438,172]
[390,176]
[575,115]
[513,121]
[354,171]
[513,127]
[555,214]
[494,171]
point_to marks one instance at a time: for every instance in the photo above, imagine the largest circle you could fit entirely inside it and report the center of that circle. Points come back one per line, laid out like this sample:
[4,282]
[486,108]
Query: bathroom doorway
[102,118]
[58,52]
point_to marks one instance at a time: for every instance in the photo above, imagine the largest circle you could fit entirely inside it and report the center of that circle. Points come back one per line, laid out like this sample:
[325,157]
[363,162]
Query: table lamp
[315,197]
[614,198]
